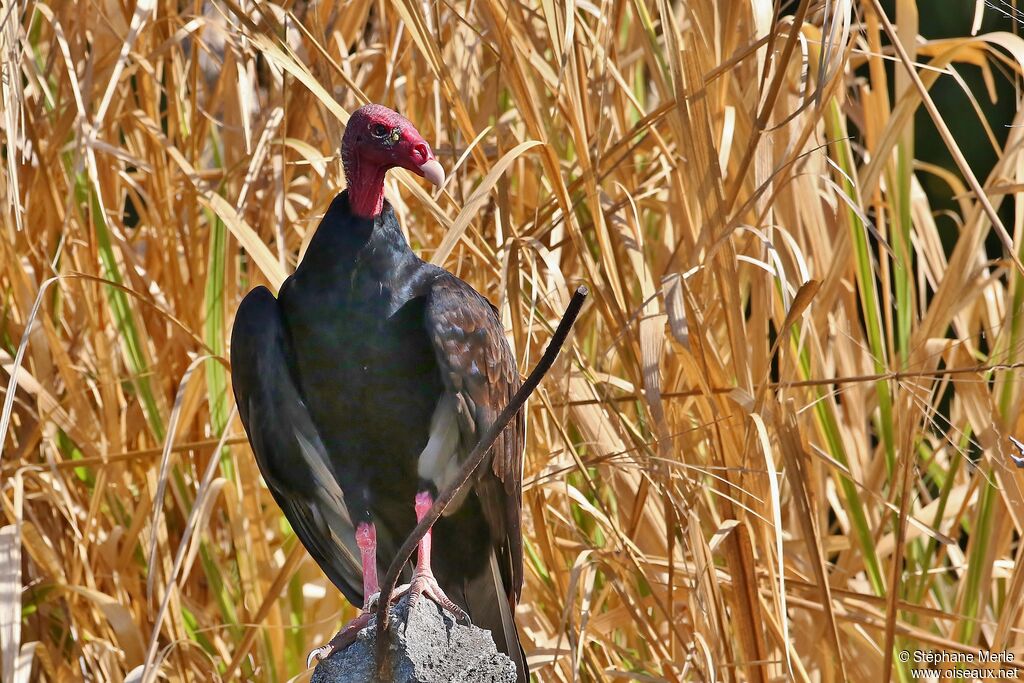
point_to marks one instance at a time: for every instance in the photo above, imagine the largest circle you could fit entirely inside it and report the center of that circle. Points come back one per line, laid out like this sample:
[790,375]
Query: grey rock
[428,646]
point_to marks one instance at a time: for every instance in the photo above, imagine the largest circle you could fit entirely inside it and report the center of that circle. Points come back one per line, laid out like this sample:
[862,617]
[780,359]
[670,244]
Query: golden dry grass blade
[777,447]
[10,605]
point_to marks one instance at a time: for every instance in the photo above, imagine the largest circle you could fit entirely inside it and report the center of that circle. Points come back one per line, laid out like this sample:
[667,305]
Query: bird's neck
[346,240]
[365,186]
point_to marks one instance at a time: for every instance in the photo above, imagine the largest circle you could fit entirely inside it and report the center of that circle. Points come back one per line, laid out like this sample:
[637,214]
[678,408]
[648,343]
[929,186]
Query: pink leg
[423,503]
[366,539]
[423,581]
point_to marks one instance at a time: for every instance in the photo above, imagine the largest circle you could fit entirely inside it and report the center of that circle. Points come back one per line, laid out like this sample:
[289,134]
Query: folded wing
[480,377]
[286,444]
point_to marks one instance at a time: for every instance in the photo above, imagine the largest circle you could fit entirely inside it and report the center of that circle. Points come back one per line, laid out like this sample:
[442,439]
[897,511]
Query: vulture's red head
[375,140]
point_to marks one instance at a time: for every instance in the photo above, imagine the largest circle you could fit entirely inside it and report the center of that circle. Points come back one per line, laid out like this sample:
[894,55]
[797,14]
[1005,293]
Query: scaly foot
[347,635]
[424,583]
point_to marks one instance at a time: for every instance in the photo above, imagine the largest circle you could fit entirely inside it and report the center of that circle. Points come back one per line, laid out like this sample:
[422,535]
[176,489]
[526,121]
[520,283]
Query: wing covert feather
[479,370]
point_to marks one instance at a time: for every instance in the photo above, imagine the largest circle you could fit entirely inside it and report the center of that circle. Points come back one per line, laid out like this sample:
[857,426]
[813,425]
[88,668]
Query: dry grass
[777,447]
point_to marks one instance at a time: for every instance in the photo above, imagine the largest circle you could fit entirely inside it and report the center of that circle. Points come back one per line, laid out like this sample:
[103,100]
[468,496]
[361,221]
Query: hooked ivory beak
[433,172]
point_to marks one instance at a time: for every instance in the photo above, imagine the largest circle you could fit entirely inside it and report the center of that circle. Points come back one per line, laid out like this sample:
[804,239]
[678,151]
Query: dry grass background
[776,449]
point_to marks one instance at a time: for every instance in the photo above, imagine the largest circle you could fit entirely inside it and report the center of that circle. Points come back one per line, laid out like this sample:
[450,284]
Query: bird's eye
[379,130]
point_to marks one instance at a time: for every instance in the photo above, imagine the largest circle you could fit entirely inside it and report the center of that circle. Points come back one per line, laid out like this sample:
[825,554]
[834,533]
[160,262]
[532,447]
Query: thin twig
[472,463]
[897,376]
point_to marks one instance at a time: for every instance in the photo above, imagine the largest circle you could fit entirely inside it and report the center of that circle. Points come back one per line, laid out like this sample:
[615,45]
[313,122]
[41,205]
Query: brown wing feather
[478,367]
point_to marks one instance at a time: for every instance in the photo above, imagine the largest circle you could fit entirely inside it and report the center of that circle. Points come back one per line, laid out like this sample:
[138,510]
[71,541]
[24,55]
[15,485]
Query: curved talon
[320,653]
[345,637]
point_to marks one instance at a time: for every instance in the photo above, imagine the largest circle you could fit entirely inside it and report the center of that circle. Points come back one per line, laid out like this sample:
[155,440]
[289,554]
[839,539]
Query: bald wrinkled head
[377,139]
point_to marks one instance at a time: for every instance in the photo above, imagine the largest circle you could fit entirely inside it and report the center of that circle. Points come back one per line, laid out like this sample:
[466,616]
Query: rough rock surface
[428,646]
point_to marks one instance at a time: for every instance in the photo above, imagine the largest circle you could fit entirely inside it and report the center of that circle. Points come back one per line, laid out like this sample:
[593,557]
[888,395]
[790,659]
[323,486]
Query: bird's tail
[487,604]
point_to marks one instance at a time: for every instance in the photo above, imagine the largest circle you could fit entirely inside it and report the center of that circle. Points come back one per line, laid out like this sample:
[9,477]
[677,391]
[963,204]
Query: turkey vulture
[364,385]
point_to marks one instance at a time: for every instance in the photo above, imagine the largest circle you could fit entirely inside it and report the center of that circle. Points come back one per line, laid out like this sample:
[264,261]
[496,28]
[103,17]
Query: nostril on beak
[421,153]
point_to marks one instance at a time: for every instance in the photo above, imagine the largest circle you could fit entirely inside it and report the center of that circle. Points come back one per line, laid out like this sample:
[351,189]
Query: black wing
[285,442]
[480,376]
